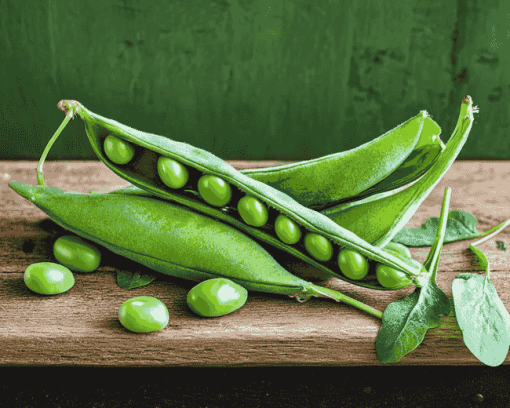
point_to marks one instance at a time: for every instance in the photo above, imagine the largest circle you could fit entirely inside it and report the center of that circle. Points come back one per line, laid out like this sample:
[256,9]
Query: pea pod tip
[68,106]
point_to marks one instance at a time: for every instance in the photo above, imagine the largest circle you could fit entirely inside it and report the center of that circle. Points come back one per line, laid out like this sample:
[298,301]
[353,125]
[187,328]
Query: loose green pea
[216,297]
[76,254]
[117,150]
[252,211]
[48,278]
[389,277]
[144,314]
[172,173]
[353,264]
[287,230]
[214,190]
[318,246]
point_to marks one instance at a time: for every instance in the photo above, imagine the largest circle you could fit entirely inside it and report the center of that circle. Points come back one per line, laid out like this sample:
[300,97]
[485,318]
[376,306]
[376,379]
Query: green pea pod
[386,163]
[379,217]
[322,239]
[173,240]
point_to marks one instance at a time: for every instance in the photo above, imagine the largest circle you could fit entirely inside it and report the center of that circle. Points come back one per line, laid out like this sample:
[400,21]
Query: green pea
[144,314]
[117,150]
[389,277]
[353,264]
[48,278]
[287,230]
[214,190]
[216,297]
[76,254]
[398,249]
[172,173]
[318,246]
[252,211]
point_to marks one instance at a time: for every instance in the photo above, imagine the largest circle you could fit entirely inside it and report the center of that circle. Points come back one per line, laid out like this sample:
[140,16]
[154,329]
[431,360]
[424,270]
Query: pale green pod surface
[165,237]
[340,175]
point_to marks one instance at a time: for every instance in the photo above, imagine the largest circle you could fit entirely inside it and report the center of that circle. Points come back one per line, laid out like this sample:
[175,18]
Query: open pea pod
[173,240]
[291,180]
[320,239]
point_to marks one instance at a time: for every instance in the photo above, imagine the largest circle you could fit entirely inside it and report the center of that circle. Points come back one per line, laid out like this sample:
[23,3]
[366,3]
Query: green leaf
[482,316]
[461,225]
[406,321]
[131,280]
[501,245]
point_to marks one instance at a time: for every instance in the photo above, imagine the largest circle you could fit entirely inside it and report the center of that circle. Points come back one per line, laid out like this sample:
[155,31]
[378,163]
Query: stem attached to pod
[70,112]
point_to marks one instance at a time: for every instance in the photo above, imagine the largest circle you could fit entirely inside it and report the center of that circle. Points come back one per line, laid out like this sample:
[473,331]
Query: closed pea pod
[162,235]
[323,182]
[318,250]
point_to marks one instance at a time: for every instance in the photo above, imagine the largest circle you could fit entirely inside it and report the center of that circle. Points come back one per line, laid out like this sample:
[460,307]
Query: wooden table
[81,326]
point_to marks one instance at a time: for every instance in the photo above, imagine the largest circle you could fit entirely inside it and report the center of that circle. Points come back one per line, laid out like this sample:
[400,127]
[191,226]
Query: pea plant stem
[493,231]
[320,291]
[40,177]
[441,232]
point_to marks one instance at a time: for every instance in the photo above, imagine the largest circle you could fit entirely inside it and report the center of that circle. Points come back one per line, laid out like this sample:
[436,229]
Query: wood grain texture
[81,327]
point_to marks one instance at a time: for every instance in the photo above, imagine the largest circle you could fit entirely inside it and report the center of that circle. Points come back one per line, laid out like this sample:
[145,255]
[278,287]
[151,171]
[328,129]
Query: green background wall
[253,80]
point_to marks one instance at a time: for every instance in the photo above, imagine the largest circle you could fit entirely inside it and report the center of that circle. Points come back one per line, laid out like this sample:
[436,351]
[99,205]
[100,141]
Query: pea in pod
[173,240]
[378,163]
[321,241]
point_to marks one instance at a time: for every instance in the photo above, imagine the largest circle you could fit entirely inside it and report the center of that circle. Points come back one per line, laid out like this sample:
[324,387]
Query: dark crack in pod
[141,169]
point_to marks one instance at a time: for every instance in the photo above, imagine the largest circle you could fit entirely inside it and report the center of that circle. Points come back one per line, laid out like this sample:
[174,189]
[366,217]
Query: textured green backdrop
[268,79]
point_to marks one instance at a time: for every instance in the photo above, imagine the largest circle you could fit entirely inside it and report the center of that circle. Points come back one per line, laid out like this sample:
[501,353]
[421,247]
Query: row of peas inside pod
[218,193]
[141,314]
